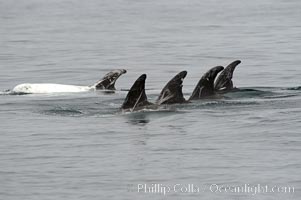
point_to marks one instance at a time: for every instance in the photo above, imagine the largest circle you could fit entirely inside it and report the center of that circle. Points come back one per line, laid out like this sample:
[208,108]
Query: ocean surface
[81,146]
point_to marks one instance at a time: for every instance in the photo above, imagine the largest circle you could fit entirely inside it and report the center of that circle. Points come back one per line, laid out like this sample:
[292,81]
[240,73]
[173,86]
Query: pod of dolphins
[136,98]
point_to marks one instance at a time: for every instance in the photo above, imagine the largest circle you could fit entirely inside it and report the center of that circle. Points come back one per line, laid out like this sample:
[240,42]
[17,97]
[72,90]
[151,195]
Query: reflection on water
[138,118]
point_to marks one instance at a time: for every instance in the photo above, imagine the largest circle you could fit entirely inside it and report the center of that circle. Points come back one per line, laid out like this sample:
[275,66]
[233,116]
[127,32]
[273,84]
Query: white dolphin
[106,83]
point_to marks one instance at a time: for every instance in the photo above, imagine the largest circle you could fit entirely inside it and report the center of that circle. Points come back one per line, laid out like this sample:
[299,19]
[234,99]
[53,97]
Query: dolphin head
[205,86]
[108,81]
[136,97]
[172,92]
[224,80]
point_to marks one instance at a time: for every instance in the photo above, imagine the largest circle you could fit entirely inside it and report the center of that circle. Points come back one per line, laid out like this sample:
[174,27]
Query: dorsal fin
[224,80]
[136,97]
[172,92]
[205,86]
[108,81]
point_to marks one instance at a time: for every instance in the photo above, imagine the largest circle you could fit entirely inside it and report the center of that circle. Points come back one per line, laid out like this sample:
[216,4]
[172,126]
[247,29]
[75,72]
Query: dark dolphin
[224,81]
[172,92]
[109,80]
[205,86]
[136,97]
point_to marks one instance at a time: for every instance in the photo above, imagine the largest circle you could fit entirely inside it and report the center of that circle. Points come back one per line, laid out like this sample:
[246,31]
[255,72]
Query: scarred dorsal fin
[172,92]
[108,81]
[224,80]
[205,86]
[136,97]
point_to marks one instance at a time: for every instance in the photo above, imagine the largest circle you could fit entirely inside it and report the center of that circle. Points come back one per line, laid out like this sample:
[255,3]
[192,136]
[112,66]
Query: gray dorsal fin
[224,80]
[136,97]
[172,92]
[108,81]
[205,86]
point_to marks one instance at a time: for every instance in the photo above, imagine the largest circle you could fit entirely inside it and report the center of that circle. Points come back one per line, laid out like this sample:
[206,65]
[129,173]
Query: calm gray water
[80,146]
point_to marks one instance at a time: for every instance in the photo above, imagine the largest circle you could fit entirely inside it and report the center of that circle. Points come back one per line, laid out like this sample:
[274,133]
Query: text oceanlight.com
[165,189]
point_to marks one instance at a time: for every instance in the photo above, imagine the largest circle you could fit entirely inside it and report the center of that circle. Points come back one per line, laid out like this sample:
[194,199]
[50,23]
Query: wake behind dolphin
[106,83]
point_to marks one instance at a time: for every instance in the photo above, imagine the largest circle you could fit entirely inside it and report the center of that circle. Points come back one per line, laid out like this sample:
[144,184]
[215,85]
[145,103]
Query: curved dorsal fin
[224,80]
[108,81]
[136,97]
[205,86]
[172,92]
